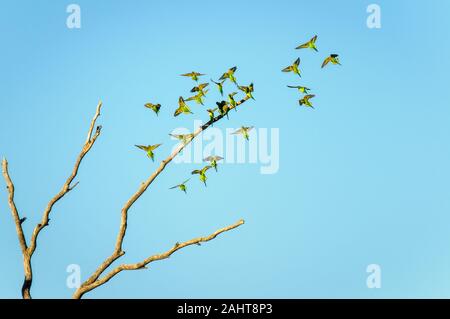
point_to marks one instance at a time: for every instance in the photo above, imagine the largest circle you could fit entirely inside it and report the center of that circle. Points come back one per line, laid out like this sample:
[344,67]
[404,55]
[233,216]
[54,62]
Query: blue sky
[363,178]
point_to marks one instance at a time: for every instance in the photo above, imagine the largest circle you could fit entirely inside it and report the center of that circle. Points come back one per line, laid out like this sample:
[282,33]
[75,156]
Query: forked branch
[28,251]
[142,265]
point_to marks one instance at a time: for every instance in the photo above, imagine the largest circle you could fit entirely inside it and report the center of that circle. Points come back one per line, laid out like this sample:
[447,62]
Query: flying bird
[149,150]
[244,131]
[301,89]
[247,90]
[213,161]
[184,138]
[193,75]
[293,67]
[199,87]
[305,100]
[229,75]
[181,186]
[219,85]
[198,98]
[311,44]
[333,58]
[154,107]
[202,173]
[182,107]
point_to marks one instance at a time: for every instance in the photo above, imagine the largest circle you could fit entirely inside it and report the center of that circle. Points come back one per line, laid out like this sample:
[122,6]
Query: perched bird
[244,131]
[305,100]
[149,149]
[211,113]
[213,161]
[311,44]
[154,107]
[247,90]
[184,138]
[181,186]
[193,75]
[199,87]
[219,85]
[202,173]
[301,89]
[182,107]
[232,101]
[229,75]
[293,67]
[223,108]
[198,98]
[333,58]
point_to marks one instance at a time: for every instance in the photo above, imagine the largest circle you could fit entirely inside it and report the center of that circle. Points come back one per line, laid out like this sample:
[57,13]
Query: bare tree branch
[28,251]
[142,265]
[118,252]
[12,206]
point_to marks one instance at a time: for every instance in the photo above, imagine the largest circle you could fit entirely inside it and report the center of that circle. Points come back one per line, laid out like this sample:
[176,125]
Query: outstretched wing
[303,46]
[195,172]
[142,147]
[152,147]
[313,40]
[238,131]
[287,69]
[326,61]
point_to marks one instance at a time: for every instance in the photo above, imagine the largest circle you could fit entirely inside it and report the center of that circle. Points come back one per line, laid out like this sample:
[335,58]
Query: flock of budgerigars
[223,107]
[295,68]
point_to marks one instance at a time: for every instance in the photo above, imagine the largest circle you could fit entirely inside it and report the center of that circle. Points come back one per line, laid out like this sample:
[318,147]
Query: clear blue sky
[364,178]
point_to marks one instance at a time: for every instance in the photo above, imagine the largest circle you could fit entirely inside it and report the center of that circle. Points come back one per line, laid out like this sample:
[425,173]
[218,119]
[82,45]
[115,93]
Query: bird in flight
[182,107]
[229,75]
[293,67]
[305,100]
[202,173]
[219,85]
[198,98]
[311,44]
[247,90]
[333,58]
[213,161]
[193,75]
[181,186]
[244,130]
[154,107]
[149,150]
[183,138]
[301,89]
[199,87]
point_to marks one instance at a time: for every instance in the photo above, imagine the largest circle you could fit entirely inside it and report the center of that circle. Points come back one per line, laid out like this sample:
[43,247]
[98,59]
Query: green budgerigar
[219,85]
[311,44]
[247,90]
[193,75]
[223,108]
[181,186]
[293,67]
[211,113]
[301,89]
[198,98]
[182,107]
[333,58]
[213,160]
[149,150]
[229,75]
[199,87]
[306,100]
[202,173]
[232,101]
[183,138]
[244,130]
[154,107]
